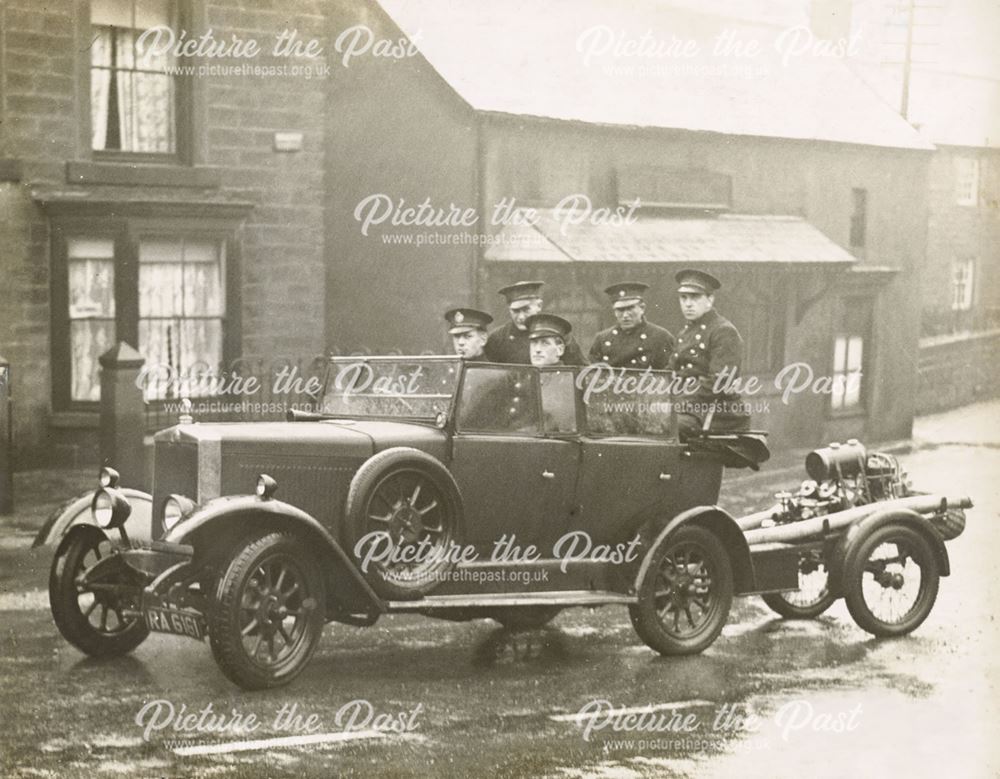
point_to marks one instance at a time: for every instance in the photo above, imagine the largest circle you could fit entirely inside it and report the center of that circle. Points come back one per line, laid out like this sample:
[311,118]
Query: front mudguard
[212,530]
[76,511]
[845,551]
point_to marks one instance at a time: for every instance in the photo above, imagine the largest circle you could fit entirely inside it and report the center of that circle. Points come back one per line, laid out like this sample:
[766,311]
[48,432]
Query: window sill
[76,420]
[142,174]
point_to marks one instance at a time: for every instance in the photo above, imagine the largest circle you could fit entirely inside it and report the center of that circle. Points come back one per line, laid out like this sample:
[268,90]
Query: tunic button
[693,352]
[697,337]
[703,327]
[517,385]
[516,400]
[690,366]
[640,348]
[643,336]
[614,332]
[703,346]
[607,343]
[643,358]
[604,356]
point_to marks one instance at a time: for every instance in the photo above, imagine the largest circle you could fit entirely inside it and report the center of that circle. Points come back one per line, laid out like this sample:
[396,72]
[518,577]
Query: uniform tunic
[644,346]
[704,348]
[509,345]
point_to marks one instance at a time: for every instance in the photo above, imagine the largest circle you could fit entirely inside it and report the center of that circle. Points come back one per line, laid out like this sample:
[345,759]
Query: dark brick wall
[282,291]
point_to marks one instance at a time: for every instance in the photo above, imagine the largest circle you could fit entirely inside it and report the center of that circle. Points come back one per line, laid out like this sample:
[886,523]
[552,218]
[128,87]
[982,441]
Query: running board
[492,600]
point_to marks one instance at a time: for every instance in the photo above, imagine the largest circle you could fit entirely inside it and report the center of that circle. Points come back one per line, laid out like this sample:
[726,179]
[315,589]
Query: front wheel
[99,619]
[813,596]
[892,583]
[685,594]
[269,612]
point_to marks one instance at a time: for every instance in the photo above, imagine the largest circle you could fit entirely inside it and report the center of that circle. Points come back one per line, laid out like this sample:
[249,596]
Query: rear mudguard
[76,511]
[233,517]
[846,548]
[726,529]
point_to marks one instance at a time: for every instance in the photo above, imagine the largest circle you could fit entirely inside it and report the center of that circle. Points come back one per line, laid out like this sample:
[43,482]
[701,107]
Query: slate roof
[728,238]
[525,58]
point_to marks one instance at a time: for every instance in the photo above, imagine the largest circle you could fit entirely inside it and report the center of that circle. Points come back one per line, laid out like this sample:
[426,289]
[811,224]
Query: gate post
[123,418]
[6,440]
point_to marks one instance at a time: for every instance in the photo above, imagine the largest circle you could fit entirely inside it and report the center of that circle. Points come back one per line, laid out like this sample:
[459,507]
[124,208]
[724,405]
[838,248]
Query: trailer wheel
[892,582]
[813,596]
[685,594]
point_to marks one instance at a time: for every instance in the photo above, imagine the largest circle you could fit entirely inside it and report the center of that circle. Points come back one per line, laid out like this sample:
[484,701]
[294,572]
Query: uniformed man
[509,343]
[634,342]
[708,345]
[467,327]
[547,334]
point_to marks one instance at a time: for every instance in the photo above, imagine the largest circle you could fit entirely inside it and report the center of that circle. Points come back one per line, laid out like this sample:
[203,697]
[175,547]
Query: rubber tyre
[779,603]
[653,627]
[921,553]
[252,577]
[79,550]
[516,618]
[383,487]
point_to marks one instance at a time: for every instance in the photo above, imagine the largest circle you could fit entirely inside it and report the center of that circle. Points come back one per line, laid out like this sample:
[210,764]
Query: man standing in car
[510,343]
[634,342]
[708,345]
[467,328]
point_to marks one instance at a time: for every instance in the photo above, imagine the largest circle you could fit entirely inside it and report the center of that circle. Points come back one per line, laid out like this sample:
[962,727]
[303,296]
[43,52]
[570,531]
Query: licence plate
[181,623]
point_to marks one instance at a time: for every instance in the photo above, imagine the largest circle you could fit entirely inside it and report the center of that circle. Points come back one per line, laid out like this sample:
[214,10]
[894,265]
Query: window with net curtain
[133,96]
[181,311]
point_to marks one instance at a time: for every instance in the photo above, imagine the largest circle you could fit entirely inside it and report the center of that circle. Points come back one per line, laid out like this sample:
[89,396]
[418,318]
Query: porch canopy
[744,239]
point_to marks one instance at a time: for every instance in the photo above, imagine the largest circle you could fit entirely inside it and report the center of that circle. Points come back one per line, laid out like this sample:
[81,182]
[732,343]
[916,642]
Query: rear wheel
[97,619]
[269,612]
[892,582]
[685,594]
[813,596]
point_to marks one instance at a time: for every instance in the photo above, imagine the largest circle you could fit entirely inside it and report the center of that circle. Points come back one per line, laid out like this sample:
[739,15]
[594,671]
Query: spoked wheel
[813,596]
[525,617]
[892,583]
[402,503]
[99,619]
[685,595]
[269,612]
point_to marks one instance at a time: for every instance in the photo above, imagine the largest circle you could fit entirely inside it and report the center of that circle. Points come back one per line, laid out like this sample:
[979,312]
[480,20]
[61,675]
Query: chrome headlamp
[176,508]
[109,508]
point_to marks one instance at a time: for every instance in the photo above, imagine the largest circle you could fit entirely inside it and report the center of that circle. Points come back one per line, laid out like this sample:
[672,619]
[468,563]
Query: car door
[630,458]
[517,480]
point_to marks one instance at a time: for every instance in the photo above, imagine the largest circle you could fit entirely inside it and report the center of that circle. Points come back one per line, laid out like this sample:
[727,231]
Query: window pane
[161,289]
[839,354]
[151,13]
[854,347]
[201,345]
[202,290]
[91,289]
[152,113]
[558,402]
[90,248]
[498,401]
[89,339]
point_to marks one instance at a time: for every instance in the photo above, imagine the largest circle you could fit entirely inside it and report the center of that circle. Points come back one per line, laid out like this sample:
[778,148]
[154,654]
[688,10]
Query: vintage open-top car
[469,490]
